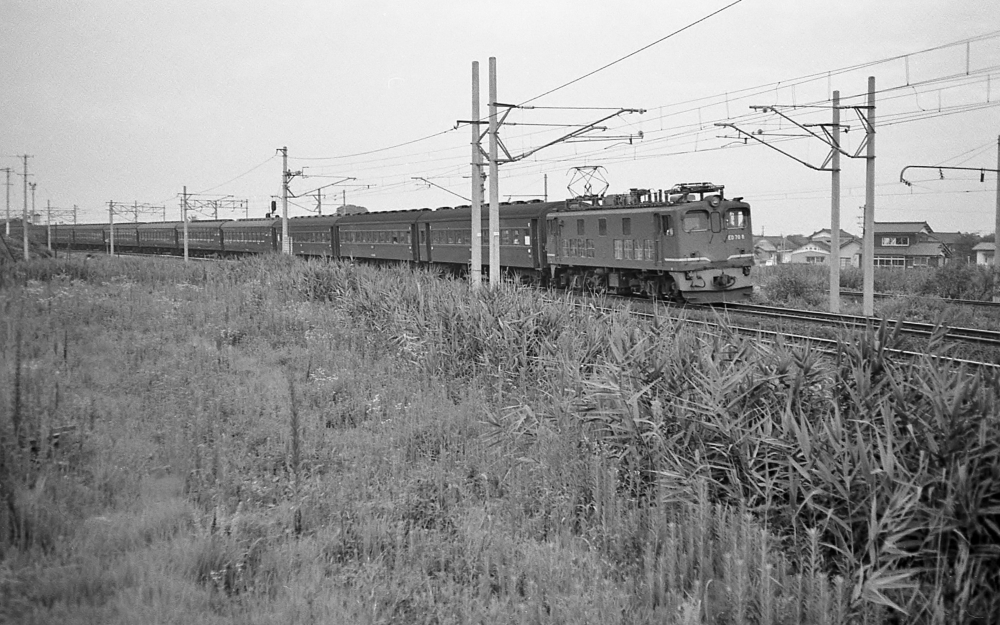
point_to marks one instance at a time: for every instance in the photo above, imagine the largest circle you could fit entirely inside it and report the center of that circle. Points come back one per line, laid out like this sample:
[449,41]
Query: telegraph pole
[48,223]
[477,186]
[868,243]
[835,208]
[494,231]
[8,170]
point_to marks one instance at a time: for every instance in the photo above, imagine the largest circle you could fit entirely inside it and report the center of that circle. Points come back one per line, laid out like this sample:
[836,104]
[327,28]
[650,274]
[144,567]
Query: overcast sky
[130,101]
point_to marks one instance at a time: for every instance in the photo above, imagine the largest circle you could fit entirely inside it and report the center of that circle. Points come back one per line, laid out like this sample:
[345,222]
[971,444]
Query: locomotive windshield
[695,220]
[736,218]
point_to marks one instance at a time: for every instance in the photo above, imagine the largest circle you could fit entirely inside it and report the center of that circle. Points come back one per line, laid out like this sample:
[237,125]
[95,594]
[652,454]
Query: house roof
[844,234]
[778,242]
[902,226]
[985,246]
[948,238]
[818,244]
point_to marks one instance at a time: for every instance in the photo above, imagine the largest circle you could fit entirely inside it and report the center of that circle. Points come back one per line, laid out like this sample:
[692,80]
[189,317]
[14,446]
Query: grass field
[274,441]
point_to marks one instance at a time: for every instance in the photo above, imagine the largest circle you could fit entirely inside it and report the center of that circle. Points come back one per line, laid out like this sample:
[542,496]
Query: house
[985,252]
[906,244]
[773,250]
[811,252]
[850,246]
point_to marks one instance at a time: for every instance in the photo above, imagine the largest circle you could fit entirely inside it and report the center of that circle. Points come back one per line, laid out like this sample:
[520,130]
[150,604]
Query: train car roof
[160,225]
[238,224]
[211,223]
[311,221]
[512,210]
[401,217]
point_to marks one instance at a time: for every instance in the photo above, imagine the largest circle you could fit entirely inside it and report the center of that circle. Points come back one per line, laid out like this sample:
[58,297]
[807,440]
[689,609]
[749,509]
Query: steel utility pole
[494,183]
[868,242]
[477,186]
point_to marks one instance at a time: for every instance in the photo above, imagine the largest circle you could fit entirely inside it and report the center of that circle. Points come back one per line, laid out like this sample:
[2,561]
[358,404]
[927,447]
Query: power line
[631,54]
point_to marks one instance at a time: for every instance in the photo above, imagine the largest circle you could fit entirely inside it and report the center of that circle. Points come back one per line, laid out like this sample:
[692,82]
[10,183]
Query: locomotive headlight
[714,201]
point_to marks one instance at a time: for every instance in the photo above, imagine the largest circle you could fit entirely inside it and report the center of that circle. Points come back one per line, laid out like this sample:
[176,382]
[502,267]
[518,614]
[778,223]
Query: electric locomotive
[687,243]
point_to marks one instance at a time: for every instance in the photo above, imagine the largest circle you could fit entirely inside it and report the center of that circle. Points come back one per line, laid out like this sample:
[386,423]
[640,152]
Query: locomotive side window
[695,220]
[602,226]
[618,249]
[667,225]
[626,226]
[579,227]
[736,218]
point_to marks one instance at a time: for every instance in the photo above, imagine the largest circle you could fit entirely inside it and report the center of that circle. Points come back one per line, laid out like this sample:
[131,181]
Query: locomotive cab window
[695,220]
[626,226]
[667,225]
[736,218]
[602,226]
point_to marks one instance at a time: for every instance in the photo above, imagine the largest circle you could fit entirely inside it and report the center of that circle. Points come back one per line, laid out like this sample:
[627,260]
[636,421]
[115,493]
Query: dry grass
[277,441]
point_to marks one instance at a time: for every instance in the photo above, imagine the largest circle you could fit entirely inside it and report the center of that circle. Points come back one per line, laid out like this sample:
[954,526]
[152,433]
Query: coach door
[335,241]
[535,245]
[425,241]
[414,243]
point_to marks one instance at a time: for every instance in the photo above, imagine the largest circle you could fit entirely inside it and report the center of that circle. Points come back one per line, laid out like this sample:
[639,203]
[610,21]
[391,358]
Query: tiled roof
[901,226]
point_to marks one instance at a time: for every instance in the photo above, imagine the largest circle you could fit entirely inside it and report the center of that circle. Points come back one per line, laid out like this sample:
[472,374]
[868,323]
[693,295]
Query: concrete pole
[996,235]
[184,219]
[285,247]
[111,224]
[24,213]
[48,223]
[835,209]
[476,270]
[868,249]
[494,183]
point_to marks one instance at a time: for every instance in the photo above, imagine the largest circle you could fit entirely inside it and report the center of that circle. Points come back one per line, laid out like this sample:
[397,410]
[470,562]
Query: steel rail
[972,335]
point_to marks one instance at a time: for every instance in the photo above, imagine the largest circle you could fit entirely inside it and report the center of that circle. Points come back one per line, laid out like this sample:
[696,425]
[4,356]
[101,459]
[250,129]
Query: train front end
[712,256]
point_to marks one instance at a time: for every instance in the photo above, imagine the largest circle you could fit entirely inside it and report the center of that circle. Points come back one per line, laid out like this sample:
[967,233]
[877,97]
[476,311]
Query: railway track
[988,338]
[828,346]
[959,302]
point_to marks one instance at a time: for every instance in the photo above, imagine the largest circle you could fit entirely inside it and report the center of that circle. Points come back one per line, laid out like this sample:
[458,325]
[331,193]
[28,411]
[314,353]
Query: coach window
[517,236]
[626,226]
[602,227]
[736,219]
[505,236]
[695,220]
